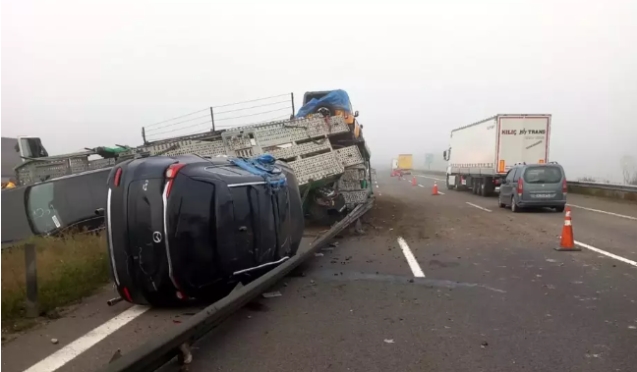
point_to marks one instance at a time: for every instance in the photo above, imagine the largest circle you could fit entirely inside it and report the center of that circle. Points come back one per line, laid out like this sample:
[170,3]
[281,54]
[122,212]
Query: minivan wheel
[559,209]
[514,208]
[500,204]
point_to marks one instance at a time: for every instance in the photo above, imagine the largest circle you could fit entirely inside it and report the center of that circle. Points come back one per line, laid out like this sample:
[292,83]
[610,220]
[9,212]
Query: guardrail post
[31,280]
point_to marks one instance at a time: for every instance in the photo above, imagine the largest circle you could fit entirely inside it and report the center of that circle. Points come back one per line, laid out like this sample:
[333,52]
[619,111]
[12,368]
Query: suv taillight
[564,186]
[520,187]
[171,173]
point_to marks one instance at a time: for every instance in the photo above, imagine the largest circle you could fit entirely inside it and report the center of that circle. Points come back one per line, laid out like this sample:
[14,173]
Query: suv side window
[509,177]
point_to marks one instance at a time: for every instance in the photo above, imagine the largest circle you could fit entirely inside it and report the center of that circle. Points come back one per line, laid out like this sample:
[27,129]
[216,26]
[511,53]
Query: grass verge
[68,269]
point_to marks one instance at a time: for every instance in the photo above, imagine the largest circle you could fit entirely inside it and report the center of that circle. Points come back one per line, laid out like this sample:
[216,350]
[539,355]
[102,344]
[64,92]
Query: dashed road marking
[431,178]
[411,260]
[479,207]
[600,211]
[421,185]
[77,347]
[441,193]
[611,255]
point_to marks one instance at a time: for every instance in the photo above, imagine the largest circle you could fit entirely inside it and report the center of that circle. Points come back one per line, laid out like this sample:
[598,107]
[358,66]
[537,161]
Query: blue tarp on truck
[338,99]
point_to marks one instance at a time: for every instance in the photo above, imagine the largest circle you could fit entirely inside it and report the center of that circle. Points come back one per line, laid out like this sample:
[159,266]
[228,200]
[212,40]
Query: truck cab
[331,103]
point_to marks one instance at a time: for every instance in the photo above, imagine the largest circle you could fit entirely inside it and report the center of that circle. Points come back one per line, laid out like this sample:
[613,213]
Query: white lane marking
[421,186]
[77,347]
[441,193]
[600,211]
[411,260]
[611,255]
[479,207]
[430,178]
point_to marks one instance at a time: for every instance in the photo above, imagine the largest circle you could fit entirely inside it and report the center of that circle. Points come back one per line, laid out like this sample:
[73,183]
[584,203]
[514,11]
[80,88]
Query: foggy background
[92,73]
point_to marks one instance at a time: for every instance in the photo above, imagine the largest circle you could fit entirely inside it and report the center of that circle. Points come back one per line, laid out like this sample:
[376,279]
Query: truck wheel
[483,188]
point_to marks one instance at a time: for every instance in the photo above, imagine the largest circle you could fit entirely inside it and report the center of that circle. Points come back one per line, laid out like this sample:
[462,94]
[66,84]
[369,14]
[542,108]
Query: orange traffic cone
[567,242]
[434,191]
[413,180]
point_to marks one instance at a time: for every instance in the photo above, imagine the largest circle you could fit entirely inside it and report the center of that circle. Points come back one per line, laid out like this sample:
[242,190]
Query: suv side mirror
[356,113]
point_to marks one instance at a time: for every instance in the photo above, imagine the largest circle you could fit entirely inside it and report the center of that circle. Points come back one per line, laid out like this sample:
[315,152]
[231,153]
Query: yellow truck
[405,163]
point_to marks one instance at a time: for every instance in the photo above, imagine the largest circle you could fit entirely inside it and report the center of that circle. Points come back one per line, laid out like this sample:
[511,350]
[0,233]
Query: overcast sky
[89,73]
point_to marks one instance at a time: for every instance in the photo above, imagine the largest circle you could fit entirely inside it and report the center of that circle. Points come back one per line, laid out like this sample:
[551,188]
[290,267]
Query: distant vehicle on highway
[480,154]
[53,207]
[188,227]
[534,186]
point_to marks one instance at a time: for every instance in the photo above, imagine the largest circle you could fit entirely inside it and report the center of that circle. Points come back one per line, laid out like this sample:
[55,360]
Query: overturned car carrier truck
[189,217]
[323,144]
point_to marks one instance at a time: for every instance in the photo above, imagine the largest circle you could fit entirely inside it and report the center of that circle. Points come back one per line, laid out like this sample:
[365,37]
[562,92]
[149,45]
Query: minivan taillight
[118,177]
[520,187]
[564,186]
[171,173]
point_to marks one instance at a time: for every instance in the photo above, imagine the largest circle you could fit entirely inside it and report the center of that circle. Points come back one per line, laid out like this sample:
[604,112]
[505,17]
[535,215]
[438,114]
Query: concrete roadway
[495,296]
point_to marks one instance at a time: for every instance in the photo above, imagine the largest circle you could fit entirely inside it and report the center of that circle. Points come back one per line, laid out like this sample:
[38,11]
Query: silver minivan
[534,186]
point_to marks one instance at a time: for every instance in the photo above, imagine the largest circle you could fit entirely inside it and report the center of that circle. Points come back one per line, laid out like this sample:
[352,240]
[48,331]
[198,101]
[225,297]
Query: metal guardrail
[604,186]
[591,185]
[160,350]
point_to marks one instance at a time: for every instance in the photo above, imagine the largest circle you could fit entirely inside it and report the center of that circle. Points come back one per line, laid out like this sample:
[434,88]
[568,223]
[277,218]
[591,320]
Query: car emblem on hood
[157,237]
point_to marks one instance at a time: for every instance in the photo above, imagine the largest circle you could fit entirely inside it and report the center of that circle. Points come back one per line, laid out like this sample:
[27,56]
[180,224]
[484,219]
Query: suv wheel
[514,208]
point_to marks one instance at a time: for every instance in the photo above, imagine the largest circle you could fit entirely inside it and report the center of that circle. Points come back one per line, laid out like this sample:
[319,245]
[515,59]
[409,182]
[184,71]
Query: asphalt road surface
[436,283]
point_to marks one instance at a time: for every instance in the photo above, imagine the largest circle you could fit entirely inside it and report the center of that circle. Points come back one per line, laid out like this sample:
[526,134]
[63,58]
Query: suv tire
[514,208]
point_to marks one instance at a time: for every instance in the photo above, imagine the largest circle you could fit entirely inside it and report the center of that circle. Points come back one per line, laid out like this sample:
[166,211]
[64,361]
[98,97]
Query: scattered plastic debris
[116,355]
[272,294]
[389,341]
[54,341]
[318,254]
[484,344]
[550,260]
[632,327]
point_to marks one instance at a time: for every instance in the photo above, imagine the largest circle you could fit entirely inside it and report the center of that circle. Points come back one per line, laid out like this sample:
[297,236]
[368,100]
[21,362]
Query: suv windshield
[40,206]
[65,202]
[543,175]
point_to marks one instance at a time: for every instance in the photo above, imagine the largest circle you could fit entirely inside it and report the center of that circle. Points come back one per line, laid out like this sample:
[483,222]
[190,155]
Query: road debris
[271,294]
[54,341]
[389,341]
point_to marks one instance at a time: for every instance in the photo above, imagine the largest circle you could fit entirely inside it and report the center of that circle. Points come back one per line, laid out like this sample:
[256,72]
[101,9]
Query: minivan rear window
[544,174]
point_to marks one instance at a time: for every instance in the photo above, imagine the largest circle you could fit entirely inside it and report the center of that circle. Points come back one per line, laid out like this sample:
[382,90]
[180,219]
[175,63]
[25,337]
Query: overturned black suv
[190,228]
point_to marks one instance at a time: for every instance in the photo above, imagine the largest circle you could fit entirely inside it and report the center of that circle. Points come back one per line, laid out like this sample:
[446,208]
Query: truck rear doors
[522,139]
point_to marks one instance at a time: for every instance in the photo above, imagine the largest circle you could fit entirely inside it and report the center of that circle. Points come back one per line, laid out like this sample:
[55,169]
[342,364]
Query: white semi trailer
[480,154]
